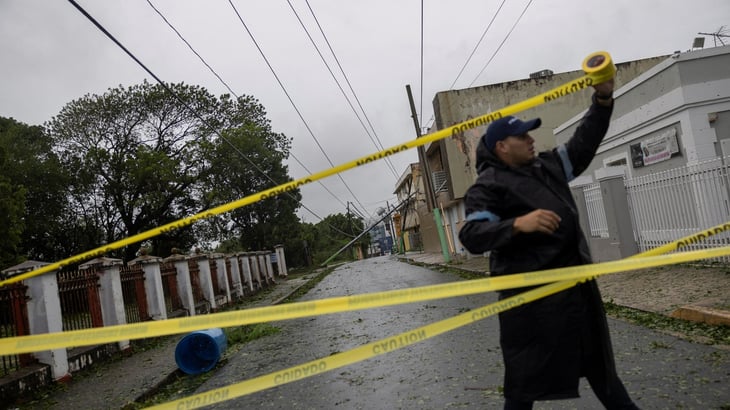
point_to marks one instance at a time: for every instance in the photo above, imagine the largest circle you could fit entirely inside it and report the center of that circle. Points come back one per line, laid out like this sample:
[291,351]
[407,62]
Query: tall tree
[249,159]
[33,195]
[135,156]
[141,159]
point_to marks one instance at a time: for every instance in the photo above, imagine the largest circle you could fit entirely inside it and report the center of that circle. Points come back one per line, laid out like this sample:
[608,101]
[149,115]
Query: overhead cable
[387,160]
[306,125]
[502,43]
[484,33]
[173,93]
[236,95]
[236,148]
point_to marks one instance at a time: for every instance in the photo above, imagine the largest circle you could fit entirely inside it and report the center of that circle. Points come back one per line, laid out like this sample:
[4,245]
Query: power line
[421,109]
[174,94]
[190,47]
[484,33]
[306,125]
[236,95]
[502,43]
[387,160]
[347,80]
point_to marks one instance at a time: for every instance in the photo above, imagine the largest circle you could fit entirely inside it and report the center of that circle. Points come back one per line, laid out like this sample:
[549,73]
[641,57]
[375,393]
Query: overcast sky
[50,54]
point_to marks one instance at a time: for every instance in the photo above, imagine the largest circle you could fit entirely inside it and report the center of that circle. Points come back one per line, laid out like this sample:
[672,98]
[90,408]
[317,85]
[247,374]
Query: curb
[702,314]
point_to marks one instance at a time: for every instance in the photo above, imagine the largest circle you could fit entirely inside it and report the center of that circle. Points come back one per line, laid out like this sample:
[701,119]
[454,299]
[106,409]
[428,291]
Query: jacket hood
[486,158]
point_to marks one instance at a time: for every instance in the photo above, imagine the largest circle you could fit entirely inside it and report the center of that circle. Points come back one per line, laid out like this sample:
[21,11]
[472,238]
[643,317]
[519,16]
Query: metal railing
[168,272]
[14,322]
[596,213]
[133,293]
[80,300]
[671,204]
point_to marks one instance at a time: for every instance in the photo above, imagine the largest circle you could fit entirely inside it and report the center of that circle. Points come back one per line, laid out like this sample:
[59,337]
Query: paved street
[460,369]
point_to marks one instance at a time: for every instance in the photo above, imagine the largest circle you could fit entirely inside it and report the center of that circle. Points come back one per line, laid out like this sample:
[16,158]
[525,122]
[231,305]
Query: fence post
[152,285]
[246,269]
[576,189]
[220,262]
[110,290]
[206,281]
[618,217]
[253,262]
[236,275]
[280,260]
[269,265]
[184,284]
[44,314]
[262,257]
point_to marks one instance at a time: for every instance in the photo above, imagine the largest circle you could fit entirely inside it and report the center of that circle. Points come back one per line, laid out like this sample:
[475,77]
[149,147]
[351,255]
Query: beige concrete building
[451,161]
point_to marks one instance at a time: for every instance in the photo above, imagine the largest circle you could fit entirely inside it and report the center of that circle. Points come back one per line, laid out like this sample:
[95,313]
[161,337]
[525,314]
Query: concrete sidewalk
[697,293]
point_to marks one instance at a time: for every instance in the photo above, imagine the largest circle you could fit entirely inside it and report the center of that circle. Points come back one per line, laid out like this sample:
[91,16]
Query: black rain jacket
[548,344]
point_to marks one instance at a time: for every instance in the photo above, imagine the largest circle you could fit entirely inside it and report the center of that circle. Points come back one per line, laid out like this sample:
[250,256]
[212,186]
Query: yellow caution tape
[400,340]
[361,353]
[93,336]
[596,73]
[598,68]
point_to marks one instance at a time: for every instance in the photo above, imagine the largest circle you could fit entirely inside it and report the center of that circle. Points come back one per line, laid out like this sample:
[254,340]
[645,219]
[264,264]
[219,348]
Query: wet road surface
[460,369]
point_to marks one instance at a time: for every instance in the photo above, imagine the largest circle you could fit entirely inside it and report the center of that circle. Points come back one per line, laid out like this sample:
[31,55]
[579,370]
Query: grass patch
[319,275]
[247,333]
[693,331]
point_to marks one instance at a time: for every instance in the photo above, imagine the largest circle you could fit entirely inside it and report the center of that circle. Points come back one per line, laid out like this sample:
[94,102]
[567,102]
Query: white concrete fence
[623,216]
[249,272]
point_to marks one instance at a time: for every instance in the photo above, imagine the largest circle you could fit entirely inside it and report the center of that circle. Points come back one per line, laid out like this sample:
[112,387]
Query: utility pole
[426,171]
[426,174]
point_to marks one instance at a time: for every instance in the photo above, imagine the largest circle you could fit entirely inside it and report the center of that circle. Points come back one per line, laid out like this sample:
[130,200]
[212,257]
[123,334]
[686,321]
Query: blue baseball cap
[505,127]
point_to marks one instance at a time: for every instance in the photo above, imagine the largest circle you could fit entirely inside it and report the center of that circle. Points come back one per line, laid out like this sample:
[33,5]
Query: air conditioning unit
[439,181]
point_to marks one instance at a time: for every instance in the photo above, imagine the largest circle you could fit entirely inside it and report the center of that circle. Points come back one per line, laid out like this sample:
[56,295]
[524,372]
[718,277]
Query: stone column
[246,270]
[237,286]
[44,314]
[280,260]
[220,263]
[153,285]
[184,286]
[618,217]
[253,262]
[206,283]
[110,292]
[269,268]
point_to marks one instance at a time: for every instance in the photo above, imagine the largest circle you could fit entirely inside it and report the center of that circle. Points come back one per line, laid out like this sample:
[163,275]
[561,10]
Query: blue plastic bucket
[199,351]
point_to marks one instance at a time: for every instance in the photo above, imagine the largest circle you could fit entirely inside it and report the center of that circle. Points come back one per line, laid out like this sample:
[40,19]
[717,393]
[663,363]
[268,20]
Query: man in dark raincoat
[521,209]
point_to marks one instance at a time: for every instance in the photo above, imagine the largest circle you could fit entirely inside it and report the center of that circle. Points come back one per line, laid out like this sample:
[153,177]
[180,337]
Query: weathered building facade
[451,161]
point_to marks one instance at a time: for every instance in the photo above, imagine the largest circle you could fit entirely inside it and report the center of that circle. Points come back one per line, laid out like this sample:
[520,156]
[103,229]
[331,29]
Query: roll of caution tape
[598,72]
[599,66]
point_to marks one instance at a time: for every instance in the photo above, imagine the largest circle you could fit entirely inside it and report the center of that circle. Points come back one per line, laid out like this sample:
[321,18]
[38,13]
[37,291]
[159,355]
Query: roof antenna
[718,35]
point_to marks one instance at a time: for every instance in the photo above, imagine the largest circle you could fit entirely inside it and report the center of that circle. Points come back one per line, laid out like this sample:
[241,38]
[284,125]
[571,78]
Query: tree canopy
[110,166]
[32,195]
[139,159]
